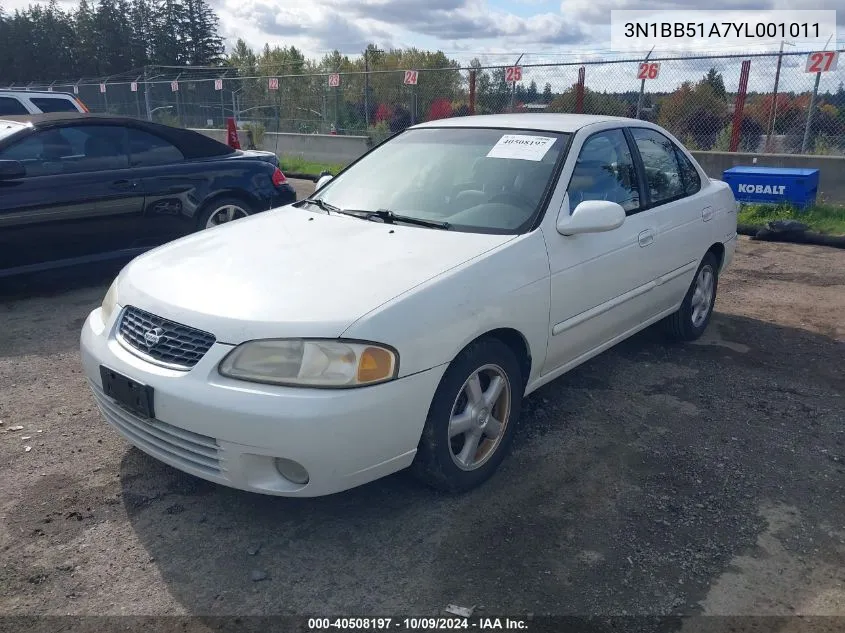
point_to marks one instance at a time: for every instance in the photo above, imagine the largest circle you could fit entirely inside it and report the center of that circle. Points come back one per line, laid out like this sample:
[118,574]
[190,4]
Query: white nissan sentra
[397,317]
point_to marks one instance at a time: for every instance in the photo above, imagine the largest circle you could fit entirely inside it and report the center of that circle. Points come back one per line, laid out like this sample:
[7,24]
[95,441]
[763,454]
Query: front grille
[182,448]
[163,341]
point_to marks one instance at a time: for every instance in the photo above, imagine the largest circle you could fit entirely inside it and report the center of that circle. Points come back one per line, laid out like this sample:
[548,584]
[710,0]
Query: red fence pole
[740,104]
[579,91]
[472,91]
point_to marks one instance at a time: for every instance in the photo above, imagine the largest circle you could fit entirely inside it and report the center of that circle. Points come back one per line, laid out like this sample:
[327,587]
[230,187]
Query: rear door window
[10,106]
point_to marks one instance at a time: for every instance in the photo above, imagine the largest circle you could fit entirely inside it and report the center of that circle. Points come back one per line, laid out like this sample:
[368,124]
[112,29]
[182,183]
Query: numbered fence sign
[75,89]
[334,80]
[50,89]
[103,88]
[218,84]
[174,86]
[648,70]
[822,62]
[134,86]
[273,83]
[411,77]
[513,73]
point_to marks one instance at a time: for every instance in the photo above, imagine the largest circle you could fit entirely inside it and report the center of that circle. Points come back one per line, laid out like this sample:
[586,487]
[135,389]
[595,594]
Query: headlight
[109,302]
[311,363]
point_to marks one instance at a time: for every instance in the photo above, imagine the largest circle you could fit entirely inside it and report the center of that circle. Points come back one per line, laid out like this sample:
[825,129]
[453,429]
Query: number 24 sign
[648,70]
[822,62]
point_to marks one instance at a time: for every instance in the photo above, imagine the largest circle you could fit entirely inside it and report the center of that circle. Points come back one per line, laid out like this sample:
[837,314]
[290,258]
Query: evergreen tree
[532,94]
[168,42]
[85,42]
[204,47]
[141,24]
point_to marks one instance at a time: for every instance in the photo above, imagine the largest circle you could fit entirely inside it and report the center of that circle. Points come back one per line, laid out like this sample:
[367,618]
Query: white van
[32,102]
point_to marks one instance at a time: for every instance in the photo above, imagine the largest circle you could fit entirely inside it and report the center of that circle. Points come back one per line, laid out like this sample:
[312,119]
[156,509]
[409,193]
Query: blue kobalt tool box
[774,185]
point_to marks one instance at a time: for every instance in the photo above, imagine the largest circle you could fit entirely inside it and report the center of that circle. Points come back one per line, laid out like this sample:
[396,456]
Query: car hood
[290,272]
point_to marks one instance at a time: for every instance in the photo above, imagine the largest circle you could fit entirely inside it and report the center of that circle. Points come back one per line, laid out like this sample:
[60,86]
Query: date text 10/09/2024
[417,624]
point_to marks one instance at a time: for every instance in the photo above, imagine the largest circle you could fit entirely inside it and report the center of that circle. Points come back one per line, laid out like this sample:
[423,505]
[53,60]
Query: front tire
[692,318]
[472,418]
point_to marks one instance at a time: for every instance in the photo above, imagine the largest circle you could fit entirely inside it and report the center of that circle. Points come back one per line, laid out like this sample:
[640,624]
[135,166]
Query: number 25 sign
[821,62]
[648,70]
[513,73]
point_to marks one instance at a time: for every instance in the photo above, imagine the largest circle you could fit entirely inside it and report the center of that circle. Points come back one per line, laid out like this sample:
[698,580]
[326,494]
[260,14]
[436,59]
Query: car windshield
[476,179]
[7,128]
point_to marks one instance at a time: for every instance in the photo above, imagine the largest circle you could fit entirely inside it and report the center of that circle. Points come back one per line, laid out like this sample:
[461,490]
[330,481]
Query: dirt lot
[655,479]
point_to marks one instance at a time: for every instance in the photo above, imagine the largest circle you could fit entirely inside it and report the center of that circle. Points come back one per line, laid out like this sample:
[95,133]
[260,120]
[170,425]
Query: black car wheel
[691,319]
[472,418]
[223,211]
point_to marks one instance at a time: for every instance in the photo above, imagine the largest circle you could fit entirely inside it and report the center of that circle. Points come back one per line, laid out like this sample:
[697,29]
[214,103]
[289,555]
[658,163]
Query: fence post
[472,91]
[740,104]
[513,84]
[579,91]
[773,110]
[642,86]
[810,114]
[147,96]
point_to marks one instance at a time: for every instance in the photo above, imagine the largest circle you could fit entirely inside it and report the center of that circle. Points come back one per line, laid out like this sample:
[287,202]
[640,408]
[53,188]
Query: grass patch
[820,218]
[297,165]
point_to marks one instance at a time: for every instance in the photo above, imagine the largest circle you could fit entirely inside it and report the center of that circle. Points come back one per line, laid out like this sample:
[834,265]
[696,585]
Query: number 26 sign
[648,70]
[822,62]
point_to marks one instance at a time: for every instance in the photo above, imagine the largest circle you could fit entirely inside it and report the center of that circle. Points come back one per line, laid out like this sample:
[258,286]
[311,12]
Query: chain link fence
[784,107]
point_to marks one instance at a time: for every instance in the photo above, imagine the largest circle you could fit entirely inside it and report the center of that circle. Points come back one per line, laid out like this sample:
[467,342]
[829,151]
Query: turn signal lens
[375,364]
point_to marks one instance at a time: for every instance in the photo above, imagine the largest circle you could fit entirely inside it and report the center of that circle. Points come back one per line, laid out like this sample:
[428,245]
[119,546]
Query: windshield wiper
[387,216]
[322,204]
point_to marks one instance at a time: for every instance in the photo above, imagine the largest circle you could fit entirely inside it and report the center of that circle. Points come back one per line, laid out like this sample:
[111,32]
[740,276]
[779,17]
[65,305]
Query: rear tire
[692,318]
[223,211]
[472,418]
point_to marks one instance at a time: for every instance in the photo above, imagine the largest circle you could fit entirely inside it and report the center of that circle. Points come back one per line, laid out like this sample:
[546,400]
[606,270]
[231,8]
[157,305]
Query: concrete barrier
[326,148]
[831,168]
[318,148]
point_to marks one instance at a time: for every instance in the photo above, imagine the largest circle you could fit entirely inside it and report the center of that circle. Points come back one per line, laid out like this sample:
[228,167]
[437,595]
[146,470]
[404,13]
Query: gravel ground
[655,479]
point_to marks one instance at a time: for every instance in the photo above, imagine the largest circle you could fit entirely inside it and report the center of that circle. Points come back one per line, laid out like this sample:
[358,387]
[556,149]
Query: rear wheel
[223,211]
[692,318]
[472,418]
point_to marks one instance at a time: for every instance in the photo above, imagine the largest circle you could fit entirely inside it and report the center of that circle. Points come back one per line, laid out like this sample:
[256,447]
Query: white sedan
[397,317]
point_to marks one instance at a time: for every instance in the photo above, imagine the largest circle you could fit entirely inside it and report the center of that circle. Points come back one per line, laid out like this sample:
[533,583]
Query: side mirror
[324,178]
[11,169]
[591,216]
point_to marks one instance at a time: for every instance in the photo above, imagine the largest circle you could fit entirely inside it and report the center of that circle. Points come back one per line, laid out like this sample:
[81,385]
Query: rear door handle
[124,184]
[645,237]
[707,214]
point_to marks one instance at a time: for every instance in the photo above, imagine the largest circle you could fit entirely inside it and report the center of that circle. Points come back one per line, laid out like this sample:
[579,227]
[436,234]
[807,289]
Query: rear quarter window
[54,104]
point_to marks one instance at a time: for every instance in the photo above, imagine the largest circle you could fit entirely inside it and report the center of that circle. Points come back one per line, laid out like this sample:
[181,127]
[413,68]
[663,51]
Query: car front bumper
[231,432]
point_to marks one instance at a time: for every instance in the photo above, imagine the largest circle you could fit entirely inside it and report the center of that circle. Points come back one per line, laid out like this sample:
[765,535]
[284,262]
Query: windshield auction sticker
[522,147]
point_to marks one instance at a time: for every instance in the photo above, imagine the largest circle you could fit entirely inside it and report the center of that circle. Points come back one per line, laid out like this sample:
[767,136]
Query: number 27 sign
[648,70]
[822,62]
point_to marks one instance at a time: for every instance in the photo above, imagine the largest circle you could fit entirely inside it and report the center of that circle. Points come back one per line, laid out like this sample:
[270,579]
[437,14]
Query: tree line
[106,37]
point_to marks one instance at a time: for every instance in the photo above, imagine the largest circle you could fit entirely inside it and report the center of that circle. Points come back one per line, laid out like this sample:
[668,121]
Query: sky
[495,31]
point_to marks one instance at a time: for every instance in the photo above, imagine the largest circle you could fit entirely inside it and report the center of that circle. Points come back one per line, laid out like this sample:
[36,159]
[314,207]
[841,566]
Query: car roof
[191,144]
[546,122]
[35,93]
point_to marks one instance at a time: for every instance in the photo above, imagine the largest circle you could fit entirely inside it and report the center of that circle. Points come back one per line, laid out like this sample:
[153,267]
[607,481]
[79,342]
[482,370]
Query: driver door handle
[645,237]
